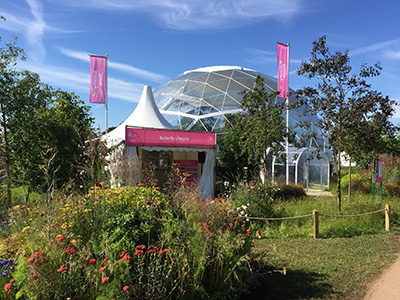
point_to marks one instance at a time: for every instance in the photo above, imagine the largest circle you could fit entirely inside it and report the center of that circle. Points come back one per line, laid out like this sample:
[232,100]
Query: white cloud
[79,82]
[200,14]
[374,47]
[128,69]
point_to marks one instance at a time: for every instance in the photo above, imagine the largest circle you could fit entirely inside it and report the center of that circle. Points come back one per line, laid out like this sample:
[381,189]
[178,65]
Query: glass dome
[200,99]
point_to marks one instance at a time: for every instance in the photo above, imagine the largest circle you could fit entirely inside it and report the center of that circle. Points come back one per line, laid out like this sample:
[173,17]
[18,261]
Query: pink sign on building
[169,138]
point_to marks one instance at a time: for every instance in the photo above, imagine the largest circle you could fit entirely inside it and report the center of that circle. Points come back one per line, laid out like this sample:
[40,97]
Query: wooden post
[316,223]
[387,217]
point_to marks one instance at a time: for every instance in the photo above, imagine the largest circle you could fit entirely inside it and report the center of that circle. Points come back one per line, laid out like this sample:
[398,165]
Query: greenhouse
[307,167]
[202,99]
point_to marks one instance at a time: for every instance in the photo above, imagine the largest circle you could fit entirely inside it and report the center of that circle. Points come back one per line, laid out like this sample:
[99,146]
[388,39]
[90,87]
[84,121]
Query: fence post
[387,217]
[316,223]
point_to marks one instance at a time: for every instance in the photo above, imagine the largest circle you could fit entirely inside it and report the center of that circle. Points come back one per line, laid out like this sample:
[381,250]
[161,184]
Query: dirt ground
[318,193]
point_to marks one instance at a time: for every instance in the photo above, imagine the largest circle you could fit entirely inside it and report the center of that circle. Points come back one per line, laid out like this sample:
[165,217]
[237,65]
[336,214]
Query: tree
[263,125]
[353,116]
[233,165]
[9,55]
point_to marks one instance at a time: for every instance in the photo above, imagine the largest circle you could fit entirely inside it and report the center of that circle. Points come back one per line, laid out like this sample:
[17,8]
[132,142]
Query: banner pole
[373,181]
[287,121]
[106,94]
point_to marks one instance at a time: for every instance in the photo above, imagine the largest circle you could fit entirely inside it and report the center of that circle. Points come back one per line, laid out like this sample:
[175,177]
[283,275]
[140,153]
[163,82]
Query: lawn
[329,268]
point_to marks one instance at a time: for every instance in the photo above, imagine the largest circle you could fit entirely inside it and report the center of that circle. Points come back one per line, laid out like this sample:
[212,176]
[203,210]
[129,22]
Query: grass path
[331,268]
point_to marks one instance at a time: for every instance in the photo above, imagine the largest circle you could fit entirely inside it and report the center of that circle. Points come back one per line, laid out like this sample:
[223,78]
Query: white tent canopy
[146,115]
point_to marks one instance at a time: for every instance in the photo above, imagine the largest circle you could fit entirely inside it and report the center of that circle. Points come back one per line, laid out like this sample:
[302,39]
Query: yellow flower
[25,228]
[64,226]
[73,242]
[16,206]
[284,271]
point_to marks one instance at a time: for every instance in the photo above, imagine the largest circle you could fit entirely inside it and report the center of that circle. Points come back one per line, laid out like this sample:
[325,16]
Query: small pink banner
[98,79]
[283,70]
[168,138]
[379,170]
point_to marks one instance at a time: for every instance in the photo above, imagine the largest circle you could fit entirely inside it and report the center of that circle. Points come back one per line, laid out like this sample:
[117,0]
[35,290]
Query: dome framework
[200,100]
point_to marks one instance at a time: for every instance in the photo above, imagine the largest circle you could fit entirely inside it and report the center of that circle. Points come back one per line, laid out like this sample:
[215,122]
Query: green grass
[329,226]
[330,268]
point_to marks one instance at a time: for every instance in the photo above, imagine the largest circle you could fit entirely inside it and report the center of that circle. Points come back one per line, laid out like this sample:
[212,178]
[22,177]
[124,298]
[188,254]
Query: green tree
[353,116]
[9,56]
[263,125]
[54,125]
[233,165]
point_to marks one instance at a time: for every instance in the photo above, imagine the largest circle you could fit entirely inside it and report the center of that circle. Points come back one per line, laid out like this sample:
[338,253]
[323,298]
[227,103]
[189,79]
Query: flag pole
[287,121]
[106,93]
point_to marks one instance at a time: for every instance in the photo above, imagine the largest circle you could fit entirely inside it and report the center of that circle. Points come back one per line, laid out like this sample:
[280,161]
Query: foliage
[353,116]
[233,165]
[9,56]
[262,124]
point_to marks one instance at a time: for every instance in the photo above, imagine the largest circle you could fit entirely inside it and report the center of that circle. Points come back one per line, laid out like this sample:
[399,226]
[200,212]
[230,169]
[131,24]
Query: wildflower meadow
[135,242]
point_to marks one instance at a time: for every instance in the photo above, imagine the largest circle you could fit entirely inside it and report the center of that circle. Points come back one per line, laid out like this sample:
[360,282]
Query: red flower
[104,280]
[105,260]
[60,239]
[8,287]
[70,251]
[199,224]
[12,280]
[70,245]
[63,268]
[137,252]
[141,247]
[102,269]
[249,232]
[123,253]
[126,288]
[35,277]
[91,262]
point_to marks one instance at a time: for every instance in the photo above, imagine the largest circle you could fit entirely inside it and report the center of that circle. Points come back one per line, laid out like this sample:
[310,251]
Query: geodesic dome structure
[200,100]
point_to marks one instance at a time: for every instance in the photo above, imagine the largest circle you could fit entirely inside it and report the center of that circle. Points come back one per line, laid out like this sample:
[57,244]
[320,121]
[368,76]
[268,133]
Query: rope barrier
[349,216]
[277,219]
[324,215]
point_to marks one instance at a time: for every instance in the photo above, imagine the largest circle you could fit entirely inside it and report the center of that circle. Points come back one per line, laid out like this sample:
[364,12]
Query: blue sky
[149,42]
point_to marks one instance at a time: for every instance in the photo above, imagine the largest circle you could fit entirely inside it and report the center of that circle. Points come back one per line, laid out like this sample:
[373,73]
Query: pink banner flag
[98,79]
[169,138]
[283,70]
